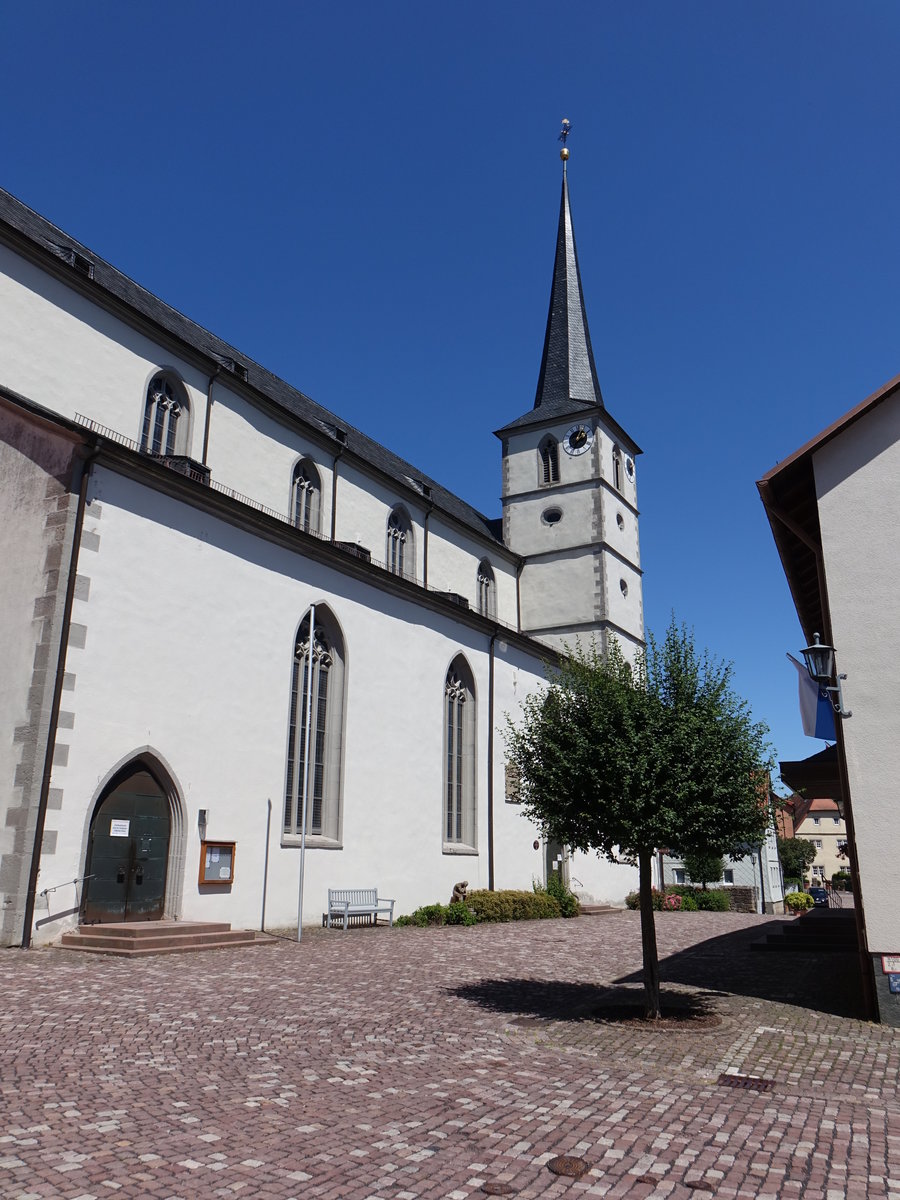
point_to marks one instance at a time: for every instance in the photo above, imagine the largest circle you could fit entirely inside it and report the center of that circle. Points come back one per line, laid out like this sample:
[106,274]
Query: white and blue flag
[816,712]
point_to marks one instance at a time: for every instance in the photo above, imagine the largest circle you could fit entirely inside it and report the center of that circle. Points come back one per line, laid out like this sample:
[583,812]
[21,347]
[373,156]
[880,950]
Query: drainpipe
[209,400]
[86,468]
[490,763]
[519,567]
[334,483]
[425,540]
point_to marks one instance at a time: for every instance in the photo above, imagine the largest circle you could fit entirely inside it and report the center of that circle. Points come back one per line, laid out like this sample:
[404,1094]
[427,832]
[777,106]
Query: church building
[222,606]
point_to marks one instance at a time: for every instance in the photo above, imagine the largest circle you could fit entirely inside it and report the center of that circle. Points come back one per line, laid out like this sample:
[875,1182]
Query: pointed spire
[568,378]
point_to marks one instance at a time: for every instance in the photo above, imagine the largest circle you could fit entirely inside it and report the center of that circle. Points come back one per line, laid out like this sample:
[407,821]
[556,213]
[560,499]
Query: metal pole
[262,919]
[309,678]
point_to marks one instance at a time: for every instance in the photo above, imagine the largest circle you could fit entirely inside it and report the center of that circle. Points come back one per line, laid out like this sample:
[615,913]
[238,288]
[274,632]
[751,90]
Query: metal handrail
[68,883]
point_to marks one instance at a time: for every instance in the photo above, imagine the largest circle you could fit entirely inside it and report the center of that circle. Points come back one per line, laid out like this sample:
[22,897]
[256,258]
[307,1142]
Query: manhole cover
[748,1082]
[567,1164]
[498,1189]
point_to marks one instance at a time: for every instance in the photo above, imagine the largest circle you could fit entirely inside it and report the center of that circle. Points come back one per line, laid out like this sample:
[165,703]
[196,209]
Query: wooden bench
[349,903]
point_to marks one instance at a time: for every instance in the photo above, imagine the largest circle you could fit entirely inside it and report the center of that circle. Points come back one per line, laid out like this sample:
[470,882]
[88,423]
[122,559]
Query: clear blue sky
[363,197]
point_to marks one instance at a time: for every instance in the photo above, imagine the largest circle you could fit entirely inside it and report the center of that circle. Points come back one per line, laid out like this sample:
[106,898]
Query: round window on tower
[629,467]
[620,520]
[551,516]
[624,587]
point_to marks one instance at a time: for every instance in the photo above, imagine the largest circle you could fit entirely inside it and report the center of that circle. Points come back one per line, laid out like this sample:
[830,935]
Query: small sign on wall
[890,964]
[217,862]
[118,827]
[894,984]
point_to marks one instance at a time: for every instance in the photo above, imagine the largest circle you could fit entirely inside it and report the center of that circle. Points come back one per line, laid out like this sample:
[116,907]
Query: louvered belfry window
[548,454]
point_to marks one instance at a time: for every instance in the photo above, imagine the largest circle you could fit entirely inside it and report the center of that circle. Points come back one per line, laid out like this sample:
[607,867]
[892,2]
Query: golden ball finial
[564,154]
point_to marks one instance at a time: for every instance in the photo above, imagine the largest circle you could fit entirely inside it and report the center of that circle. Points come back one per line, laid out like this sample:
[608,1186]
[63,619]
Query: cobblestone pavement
[444,1063]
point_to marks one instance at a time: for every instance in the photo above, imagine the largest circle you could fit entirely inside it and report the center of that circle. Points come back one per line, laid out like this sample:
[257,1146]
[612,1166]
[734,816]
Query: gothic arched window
[548,461]
[316,721]
[487,595]
[166,417]
[459,757]
[306,490]
[398,555]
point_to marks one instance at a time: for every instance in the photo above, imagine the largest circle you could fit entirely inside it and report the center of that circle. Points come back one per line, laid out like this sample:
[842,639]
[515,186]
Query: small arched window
[306,491]
[487,602]
[166,417]
[318,726]
[548,461]
[617,468]
[398,555]
[459,757]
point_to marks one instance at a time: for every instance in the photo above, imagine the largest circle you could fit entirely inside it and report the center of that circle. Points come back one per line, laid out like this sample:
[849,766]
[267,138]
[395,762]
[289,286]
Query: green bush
[459,913]
[692,899]
[512,905]
[567,901]
[798,901]
[840,881]
[429,914]
[795,882]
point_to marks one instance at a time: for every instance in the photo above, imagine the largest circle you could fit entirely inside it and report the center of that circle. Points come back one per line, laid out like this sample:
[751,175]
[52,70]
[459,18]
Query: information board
[217,862]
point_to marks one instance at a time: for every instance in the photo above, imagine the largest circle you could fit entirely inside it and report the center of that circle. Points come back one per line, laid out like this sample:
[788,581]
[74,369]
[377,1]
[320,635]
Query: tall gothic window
[399,549]
[317,702]
[305,493]
[459,758]
[165,417]
[548,461]
[487,600]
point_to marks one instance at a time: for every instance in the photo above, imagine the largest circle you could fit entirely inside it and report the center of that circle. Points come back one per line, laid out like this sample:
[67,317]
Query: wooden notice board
[217,862]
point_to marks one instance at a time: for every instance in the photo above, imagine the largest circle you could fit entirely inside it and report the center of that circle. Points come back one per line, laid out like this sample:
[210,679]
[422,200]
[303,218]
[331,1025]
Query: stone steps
[138,939]
[597,910]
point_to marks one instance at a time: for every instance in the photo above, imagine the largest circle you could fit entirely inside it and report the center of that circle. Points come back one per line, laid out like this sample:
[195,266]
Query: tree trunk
[648,938]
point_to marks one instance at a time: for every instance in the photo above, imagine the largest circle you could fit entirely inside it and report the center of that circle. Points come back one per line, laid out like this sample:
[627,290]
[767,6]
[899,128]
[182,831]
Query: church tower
[569,482]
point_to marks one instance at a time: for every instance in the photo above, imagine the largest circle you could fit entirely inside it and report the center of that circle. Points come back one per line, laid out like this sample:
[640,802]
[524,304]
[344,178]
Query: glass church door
[129,852]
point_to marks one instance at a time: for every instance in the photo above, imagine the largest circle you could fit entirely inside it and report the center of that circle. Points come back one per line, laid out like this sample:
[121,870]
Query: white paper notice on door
[118,828]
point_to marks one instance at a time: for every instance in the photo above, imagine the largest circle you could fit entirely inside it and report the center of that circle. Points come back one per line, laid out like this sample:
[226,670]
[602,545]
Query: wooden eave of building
[788,493]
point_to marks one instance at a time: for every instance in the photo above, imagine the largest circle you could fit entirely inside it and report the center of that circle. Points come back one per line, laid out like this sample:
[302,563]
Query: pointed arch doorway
[128,850]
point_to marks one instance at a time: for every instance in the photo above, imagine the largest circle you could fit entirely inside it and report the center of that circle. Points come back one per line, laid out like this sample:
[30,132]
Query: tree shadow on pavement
[824,982]
[536,1001]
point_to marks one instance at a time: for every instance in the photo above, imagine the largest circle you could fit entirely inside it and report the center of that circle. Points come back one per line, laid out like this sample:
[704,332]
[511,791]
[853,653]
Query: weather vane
[564,133]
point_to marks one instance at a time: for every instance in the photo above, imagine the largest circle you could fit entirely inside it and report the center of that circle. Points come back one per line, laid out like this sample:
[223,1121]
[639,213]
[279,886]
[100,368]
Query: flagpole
[309,679]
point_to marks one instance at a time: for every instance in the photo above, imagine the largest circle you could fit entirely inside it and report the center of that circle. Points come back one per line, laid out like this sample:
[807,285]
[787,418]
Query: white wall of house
[858,488]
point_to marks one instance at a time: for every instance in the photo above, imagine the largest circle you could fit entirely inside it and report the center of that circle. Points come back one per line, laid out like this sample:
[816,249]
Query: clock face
[578,439]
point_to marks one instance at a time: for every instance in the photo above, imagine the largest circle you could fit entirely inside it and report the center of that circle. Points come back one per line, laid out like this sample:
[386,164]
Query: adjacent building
[832,507]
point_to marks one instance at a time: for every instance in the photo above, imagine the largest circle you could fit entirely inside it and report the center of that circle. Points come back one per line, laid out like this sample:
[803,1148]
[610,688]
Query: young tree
[796,855]
[622,759]
[704,867]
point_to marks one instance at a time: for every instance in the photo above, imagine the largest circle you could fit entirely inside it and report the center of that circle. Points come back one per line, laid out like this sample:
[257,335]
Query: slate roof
[567,383]
[100,280]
